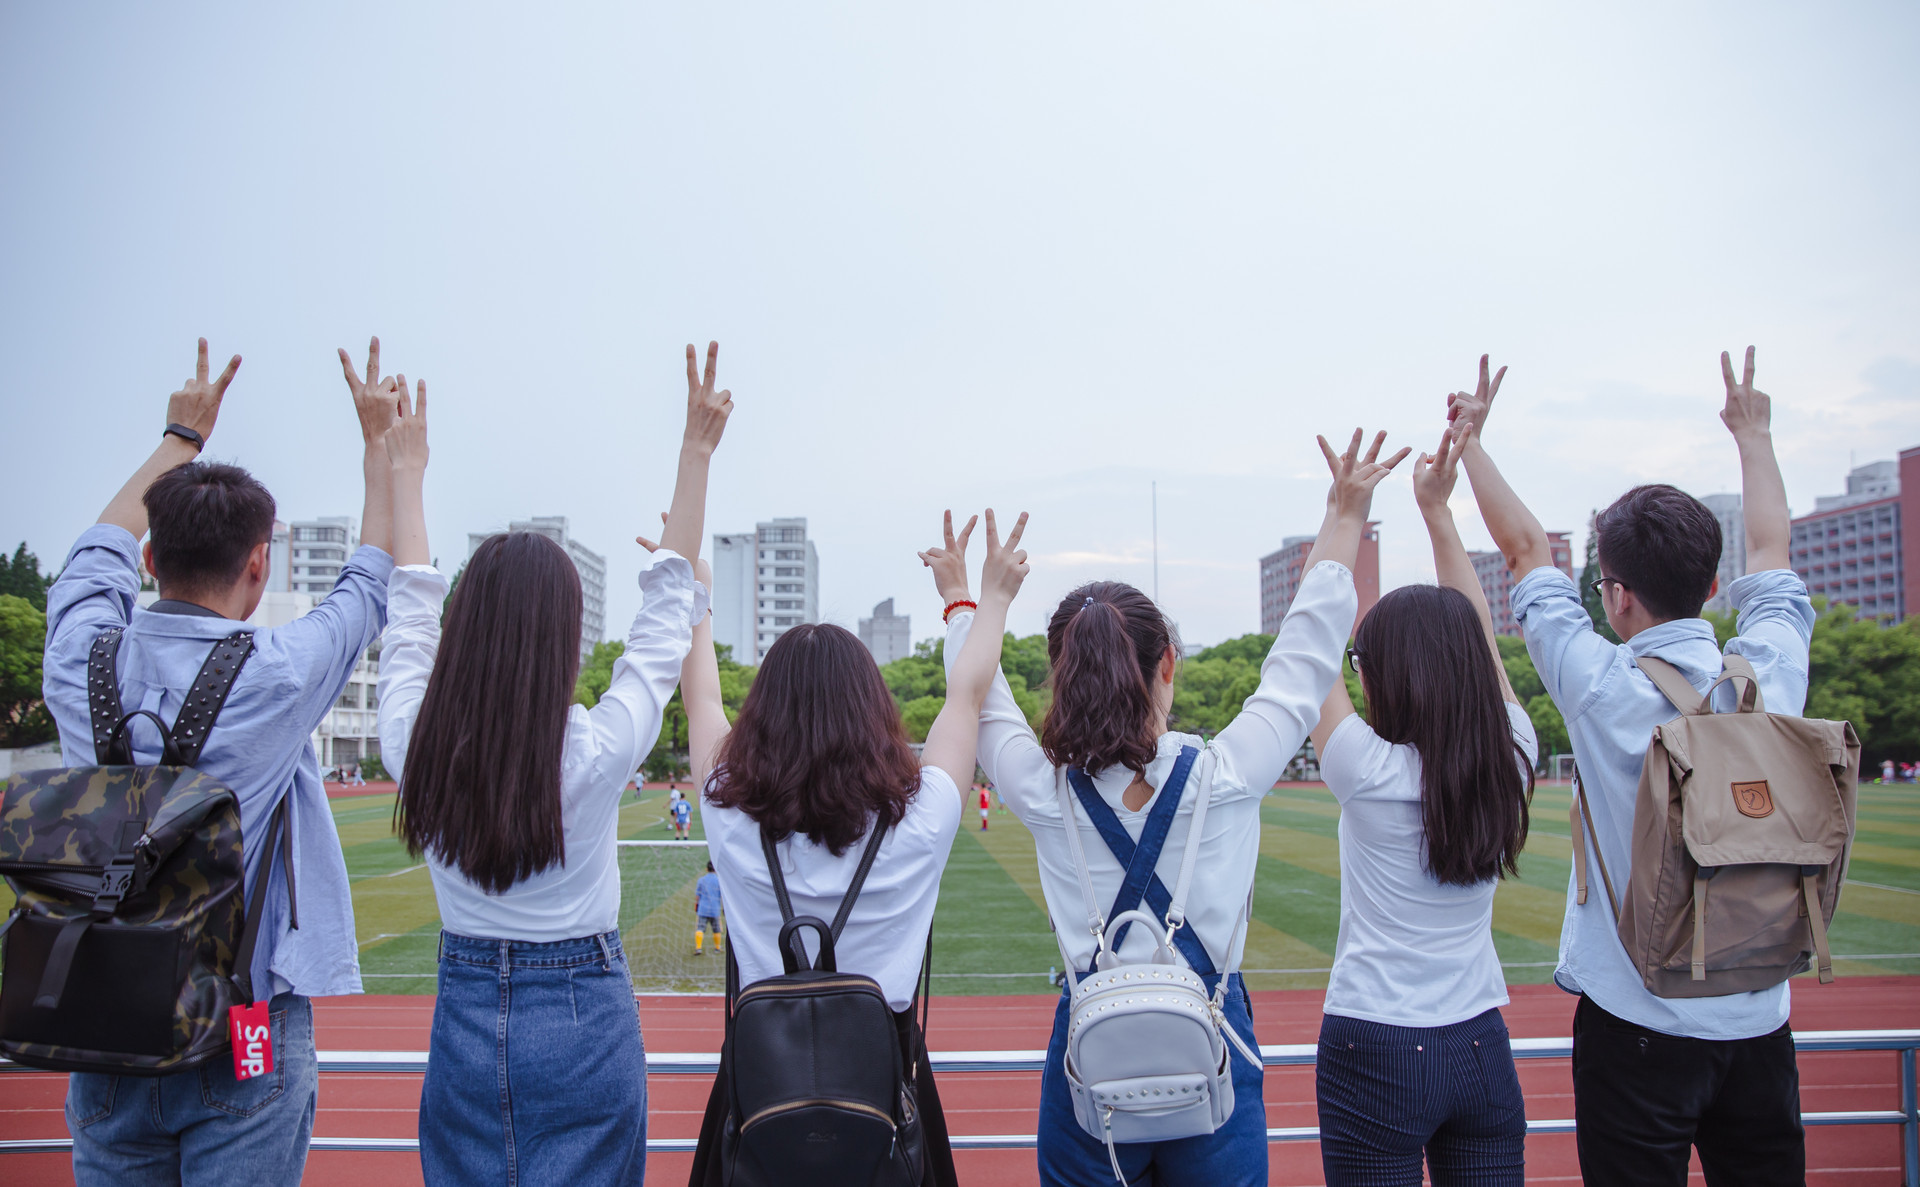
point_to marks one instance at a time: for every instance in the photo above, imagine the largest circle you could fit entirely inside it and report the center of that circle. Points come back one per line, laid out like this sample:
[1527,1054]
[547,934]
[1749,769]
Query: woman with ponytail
[1414,1063]
[1106,753]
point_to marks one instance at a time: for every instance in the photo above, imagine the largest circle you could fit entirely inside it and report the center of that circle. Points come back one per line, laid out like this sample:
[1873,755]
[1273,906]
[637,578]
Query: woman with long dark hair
[1128,785]
[511,794]
[1414,1062]
[816,764]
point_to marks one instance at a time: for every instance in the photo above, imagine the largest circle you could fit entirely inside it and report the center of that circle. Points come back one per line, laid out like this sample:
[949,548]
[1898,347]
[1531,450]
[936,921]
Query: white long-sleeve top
[581,896]
[1248,758]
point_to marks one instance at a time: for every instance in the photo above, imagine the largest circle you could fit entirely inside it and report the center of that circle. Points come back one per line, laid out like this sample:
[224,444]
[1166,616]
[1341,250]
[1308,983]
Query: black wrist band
[186,434]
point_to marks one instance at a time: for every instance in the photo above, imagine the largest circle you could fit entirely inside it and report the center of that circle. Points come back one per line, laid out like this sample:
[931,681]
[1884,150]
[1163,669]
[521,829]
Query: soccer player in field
[682,812]
[706,910]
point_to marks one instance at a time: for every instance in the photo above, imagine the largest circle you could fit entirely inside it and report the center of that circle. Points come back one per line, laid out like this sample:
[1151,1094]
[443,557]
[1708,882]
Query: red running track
[367,1105]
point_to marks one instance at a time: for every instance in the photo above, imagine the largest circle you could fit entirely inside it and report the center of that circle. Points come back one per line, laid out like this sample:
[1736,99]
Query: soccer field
[990,932]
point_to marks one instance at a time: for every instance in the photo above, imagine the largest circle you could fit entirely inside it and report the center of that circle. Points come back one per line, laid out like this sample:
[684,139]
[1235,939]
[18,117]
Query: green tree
[918,682]
[1549,728]
[24,720]
[21,577]
[596,674]
[1869,675]
[668,758]
[455,584]
[1590,573]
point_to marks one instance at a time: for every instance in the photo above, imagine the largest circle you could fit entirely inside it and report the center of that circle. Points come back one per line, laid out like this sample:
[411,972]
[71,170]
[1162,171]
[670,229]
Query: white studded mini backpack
[1147,1056]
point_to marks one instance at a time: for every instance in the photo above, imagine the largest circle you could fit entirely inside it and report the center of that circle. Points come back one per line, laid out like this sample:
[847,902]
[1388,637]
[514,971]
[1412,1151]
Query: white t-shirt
[886,935]
[1413,951]
[580,897]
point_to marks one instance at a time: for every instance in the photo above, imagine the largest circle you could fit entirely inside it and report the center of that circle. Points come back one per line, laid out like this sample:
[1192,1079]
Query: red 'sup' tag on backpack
[251,1030]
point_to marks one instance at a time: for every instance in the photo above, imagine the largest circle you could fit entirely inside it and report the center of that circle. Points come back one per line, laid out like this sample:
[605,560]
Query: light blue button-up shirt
[261,745]
[1611,708]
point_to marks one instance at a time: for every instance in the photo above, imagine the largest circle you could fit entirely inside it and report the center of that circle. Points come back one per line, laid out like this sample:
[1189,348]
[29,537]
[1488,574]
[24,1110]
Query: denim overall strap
[1141,880]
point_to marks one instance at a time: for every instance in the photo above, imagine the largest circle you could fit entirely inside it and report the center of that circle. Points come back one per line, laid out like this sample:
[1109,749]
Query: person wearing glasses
[1656,1078]
[1434,783]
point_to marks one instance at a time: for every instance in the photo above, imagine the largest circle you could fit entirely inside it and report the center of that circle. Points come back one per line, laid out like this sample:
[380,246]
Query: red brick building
[1280,574]
[1862,548]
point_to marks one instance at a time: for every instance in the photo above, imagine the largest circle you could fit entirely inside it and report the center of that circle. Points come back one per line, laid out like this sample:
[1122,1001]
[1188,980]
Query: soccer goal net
[657,919]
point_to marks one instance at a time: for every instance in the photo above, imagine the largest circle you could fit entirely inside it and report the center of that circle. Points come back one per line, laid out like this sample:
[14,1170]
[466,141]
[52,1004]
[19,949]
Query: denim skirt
[536,1073]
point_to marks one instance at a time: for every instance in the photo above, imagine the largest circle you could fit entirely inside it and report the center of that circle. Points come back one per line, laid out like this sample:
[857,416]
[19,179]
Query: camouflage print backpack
[130,940]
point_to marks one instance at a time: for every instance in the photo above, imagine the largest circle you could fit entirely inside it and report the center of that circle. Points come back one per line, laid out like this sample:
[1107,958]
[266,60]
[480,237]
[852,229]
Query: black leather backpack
[130,938]
[820,1091]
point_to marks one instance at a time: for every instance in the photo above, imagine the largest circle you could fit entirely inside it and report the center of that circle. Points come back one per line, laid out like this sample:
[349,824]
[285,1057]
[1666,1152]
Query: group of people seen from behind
[509,792]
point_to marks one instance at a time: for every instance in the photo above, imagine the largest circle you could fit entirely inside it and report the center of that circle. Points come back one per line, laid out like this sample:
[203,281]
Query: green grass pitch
[990,930]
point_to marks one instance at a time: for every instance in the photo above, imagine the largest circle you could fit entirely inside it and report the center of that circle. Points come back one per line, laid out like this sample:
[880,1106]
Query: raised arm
[194,407]
[375,401]
[1433,479]
[1749,417]
[406,444]
[952,740]
[1516,532]
[707,723]
[1349,501]
[707,412]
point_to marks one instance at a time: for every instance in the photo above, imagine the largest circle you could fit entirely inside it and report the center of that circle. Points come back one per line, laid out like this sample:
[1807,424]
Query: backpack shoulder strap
[1096,922]
[1177,911]
[257,902]
[1674,686]
[207,695]
[860,878]
[779,879]
[103,699]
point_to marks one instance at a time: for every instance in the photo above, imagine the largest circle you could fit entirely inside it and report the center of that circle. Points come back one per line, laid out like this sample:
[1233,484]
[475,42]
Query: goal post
[657,919]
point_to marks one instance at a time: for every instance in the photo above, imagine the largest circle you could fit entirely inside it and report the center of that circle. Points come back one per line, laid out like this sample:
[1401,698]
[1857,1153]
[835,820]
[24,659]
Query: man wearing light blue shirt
[1655,1077]
[211,533]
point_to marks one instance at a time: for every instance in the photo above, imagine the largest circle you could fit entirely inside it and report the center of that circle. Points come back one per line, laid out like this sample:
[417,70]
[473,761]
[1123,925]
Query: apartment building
[591,565]
[765,582]
[1862,548]
[1281,572]
[1497,582]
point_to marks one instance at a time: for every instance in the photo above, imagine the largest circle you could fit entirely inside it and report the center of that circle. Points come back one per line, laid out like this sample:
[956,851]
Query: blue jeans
[1393,1096]
[201,1126]
[1235,1155]
[535,1072]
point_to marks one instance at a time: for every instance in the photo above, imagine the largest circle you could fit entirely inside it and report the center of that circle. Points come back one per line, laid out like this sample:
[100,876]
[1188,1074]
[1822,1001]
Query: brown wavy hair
[481,787]
[1104,646]
[818,746]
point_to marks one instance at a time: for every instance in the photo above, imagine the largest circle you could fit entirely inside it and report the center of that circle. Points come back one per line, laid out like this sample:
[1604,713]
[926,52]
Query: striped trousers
[1392,1097]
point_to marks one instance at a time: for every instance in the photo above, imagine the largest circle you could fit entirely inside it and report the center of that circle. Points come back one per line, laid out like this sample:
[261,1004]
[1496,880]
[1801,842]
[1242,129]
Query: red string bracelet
[947,614]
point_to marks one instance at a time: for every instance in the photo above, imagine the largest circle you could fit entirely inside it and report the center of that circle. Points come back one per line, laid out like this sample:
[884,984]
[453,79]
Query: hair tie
[1087,603]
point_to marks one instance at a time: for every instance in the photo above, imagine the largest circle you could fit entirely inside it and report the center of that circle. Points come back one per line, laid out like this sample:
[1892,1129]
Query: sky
[1037,257]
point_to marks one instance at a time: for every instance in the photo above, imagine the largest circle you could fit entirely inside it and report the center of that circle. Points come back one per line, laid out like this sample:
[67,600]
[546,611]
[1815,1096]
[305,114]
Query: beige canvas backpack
[1740,840]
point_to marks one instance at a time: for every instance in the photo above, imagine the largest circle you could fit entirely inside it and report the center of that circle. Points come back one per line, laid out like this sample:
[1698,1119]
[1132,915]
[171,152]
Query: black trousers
[1642,1099]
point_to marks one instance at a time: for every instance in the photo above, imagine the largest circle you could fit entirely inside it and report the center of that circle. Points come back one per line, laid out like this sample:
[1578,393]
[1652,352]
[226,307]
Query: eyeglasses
[1353,660]
[1599,586]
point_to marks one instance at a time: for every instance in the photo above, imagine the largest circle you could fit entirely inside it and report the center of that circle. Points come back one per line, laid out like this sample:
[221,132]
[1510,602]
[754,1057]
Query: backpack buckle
[116,882]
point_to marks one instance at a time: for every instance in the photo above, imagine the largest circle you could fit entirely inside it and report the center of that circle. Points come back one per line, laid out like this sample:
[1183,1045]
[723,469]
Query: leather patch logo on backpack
[1753,799]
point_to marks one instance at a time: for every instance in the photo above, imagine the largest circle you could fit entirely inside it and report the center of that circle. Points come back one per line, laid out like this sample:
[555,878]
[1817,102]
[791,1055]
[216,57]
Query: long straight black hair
[1428,670]
[481,787]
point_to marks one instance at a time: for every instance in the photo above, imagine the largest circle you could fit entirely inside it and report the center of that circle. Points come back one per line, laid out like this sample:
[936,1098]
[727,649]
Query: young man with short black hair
[211,531]
[1654,1076]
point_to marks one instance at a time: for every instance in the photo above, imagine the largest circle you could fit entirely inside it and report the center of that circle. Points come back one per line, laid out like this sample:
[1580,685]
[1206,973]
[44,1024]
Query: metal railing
[1903,1043]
